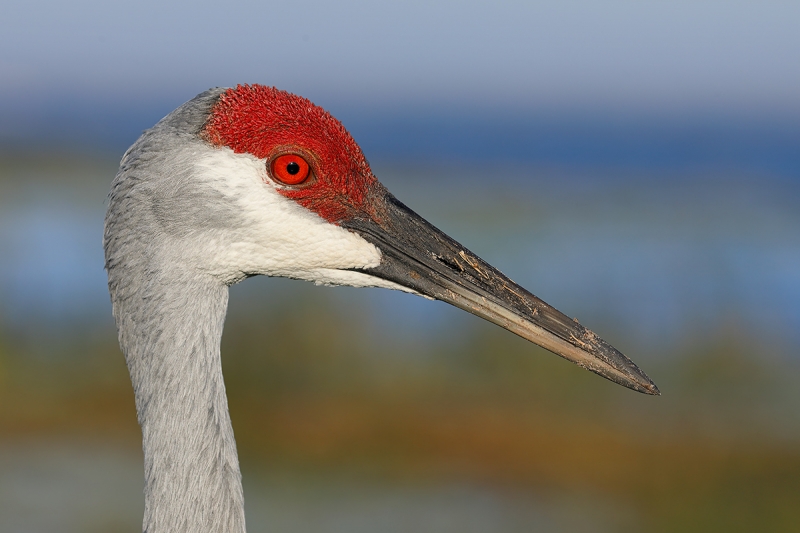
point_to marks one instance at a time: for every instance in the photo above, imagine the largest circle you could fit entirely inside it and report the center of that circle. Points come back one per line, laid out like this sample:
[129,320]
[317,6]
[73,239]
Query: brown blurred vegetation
[313,391]
[317,388]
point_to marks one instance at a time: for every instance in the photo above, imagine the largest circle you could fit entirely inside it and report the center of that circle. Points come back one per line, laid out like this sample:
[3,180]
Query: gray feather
[170,317]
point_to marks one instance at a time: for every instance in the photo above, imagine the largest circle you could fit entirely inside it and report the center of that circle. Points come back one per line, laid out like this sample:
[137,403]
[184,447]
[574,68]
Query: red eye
[290,169]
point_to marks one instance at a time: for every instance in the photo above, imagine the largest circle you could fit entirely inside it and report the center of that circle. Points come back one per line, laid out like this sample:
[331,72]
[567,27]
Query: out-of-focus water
[657,262]
[80,487]
[660,256]
[657,257]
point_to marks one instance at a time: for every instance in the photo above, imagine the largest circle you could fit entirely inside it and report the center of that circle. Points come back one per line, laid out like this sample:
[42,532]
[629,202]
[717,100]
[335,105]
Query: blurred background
[635,164]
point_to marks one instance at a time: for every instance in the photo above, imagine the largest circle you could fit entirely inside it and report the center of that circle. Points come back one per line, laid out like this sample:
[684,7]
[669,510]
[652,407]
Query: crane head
[260,181]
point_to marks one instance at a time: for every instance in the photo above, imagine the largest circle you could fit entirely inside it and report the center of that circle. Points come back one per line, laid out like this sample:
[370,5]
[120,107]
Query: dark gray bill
[420,257]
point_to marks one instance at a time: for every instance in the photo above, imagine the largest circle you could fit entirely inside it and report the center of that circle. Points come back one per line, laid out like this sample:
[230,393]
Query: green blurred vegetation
[312,390]
[321,387]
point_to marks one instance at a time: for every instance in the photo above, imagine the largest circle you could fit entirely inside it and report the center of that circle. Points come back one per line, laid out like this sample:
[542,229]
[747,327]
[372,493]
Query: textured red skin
[263,121]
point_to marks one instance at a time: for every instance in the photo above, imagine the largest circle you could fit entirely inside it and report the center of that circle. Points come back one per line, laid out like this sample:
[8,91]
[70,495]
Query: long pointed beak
[419,256]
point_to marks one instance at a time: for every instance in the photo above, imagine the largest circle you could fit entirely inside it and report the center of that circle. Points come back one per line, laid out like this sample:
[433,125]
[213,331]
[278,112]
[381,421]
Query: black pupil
[293,168]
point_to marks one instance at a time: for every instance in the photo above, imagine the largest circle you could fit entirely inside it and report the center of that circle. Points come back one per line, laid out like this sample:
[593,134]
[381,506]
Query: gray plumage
[188,215]
[170,317]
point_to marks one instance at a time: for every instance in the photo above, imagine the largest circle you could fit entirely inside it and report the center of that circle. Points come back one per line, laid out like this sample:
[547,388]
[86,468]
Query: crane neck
[170,330]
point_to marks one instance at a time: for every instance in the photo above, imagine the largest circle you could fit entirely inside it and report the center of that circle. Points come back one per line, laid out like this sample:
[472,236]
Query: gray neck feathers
[170,317]
[171,343]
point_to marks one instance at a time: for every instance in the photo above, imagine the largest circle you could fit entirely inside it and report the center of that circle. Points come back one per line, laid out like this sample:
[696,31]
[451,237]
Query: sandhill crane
[253,180]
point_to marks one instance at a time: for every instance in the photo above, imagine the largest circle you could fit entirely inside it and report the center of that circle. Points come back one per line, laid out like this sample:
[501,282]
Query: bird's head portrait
[249,181]
[417,266]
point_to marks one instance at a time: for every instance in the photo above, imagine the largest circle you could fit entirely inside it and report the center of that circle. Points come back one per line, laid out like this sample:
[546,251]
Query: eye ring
[290,169]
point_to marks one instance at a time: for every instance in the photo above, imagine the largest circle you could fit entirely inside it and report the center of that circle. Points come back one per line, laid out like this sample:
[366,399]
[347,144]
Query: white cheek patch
[273,235]
[353,279]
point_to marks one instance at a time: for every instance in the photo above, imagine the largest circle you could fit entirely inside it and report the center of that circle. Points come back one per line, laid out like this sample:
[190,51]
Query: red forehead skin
[256,119]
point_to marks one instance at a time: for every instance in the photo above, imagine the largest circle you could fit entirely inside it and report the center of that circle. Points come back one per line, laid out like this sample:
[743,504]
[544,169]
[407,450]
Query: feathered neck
[170,330]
